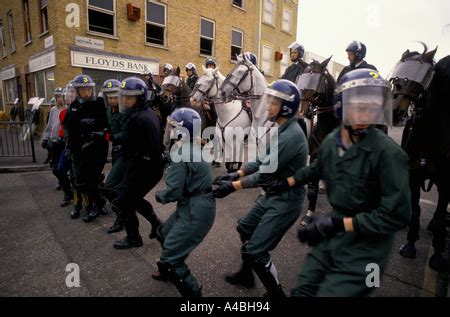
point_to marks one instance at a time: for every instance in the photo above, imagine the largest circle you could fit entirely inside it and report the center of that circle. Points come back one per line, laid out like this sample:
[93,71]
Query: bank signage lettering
[88,60]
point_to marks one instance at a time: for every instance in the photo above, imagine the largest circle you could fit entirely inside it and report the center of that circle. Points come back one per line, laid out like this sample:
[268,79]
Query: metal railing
[16,139]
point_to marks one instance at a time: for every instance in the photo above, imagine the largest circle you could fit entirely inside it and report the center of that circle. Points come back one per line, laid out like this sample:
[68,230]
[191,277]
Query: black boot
[67,199]
[75,213]
[128,243]
[267,275]
[116,227]
[244,277]
[90,215]
[408,250]
[184,282]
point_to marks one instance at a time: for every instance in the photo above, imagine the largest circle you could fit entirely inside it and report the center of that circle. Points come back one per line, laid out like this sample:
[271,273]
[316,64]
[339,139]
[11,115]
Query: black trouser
[139,179]
[93,159]
[60,171]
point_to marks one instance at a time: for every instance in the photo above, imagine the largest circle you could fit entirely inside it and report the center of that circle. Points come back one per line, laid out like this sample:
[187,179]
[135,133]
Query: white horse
[245,82]
[230,116]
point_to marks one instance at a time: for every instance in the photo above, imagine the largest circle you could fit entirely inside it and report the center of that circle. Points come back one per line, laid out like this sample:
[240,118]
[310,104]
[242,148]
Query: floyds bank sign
[89,60]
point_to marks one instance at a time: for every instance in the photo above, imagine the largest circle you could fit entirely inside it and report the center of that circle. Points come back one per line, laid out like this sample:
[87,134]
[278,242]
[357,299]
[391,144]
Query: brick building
[45,43]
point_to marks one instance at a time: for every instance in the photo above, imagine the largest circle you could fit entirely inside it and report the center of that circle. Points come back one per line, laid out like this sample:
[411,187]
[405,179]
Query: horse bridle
[241,95]
[207,91]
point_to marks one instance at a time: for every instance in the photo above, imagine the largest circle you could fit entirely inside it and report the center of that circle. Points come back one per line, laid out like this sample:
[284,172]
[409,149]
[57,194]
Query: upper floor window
[287,18]
[236,43]
[269,11]
[26,21]
[238,3]
[156,23]
[43,15]
[2,40]
[102,16]
[207,36]
[11,32]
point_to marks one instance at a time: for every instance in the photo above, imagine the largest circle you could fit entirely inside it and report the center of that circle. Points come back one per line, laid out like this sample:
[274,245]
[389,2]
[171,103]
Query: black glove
[98,136]
[224,190]
[272,184]
[44,144]
[87,123]
[321,228]
[230,177]
[158,197]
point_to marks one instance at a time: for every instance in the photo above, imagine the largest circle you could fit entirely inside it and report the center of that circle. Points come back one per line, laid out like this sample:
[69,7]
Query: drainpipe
[259,32]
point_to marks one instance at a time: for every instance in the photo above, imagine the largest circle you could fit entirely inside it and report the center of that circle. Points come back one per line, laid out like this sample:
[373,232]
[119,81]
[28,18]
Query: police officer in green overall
[367,180]
[117,122]
[189,183]
[273,214]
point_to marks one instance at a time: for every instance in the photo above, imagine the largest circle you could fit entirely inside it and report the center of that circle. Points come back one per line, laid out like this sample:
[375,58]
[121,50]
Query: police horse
[230,116]
[317,104]
[175,93]
[421,90]
[246,83]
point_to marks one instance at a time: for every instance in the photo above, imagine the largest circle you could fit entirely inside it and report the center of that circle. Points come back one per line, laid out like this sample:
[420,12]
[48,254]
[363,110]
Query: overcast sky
[387,27]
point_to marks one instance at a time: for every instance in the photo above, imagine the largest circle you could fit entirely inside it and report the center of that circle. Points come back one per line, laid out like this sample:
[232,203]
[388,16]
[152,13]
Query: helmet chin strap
[356,132]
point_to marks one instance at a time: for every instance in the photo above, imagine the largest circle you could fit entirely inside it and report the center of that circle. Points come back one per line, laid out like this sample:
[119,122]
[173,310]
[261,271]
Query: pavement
[39,240]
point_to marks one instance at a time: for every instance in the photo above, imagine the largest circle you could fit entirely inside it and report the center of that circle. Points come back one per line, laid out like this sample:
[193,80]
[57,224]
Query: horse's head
[239,81]
[313,84]
[171,85]
[410,80]
[207,86]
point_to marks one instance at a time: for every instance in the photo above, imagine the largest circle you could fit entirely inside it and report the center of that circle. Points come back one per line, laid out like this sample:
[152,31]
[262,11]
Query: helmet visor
[86,93]
[367,105]
[70,95]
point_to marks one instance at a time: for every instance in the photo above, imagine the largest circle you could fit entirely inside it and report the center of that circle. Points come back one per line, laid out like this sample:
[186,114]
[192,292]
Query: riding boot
[244,277]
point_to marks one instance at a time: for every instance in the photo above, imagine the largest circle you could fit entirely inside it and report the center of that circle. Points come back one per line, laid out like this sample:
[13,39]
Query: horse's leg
[313,191]
[408,250]
[439,230]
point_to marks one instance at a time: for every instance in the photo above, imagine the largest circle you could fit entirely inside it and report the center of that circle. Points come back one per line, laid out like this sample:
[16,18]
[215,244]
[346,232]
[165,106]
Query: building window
[267,53]
[207,35]
[44,16]
[45,84]
[238,3]
[284,62]
[26,21]
[287,18]
[11,32]
[156,23]
[269,11]
[102,16]
[2,39]
[10,89]
[237,39]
